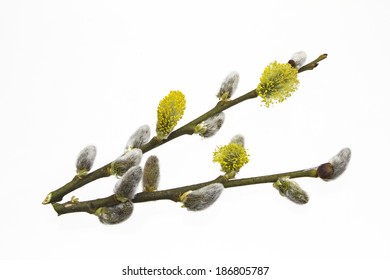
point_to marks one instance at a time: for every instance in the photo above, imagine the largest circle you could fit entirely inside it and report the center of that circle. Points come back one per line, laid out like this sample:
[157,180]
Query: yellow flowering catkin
[231,157]
[169,112]
[277,82]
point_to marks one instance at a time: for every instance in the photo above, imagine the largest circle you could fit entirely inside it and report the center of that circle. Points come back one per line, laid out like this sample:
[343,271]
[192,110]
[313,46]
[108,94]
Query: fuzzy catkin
[238,139]
[228,86]
[298,59]
[231,157]
[169,111]
[291,190]
[126,161]
[297,195]
[340,162]
[115,214]
[202,198]
[213,125]
[139,138]
[85,159]
[278,82]
[151,176]
[127,185]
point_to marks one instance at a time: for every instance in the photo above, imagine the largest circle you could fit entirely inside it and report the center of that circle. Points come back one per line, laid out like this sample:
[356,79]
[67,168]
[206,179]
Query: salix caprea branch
[277,83]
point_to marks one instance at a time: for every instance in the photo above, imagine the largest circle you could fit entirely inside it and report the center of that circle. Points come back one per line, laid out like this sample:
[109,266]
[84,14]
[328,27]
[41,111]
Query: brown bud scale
[325,171]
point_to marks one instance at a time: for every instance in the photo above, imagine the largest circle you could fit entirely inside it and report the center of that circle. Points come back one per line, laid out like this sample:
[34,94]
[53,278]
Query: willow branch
[76,183]
[313,64]
[174,194]
[188,129]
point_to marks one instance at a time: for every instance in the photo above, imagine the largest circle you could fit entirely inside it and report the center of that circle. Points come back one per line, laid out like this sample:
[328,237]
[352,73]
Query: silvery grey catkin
[126,186]
[291,190]
[298,59]
[151,176]
[336,165]
[126,161]
[139,138]
[210,126]
[238,139]
[340,162]
[228,86]
[85,160]
[115,214]
[202,198]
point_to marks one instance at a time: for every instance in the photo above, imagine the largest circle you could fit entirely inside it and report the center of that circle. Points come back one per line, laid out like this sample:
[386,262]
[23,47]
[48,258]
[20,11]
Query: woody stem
[174,194]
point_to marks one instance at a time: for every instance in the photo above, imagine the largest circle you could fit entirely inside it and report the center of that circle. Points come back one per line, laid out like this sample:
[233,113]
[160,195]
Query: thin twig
[313,64]
[174,194]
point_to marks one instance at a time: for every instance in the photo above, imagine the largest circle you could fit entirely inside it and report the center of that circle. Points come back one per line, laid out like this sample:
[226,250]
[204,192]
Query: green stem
[174,194]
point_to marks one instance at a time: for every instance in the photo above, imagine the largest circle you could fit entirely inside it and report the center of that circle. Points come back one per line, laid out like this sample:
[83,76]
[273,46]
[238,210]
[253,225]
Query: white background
[74,73]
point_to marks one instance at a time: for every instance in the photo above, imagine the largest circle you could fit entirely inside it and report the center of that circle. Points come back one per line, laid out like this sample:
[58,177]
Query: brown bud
[292,63]
[325,171]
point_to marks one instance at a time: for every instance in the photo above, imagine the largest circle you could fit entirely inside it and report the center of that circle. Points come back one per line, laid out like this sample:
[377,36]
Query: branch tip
[47,199]
[313,64]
